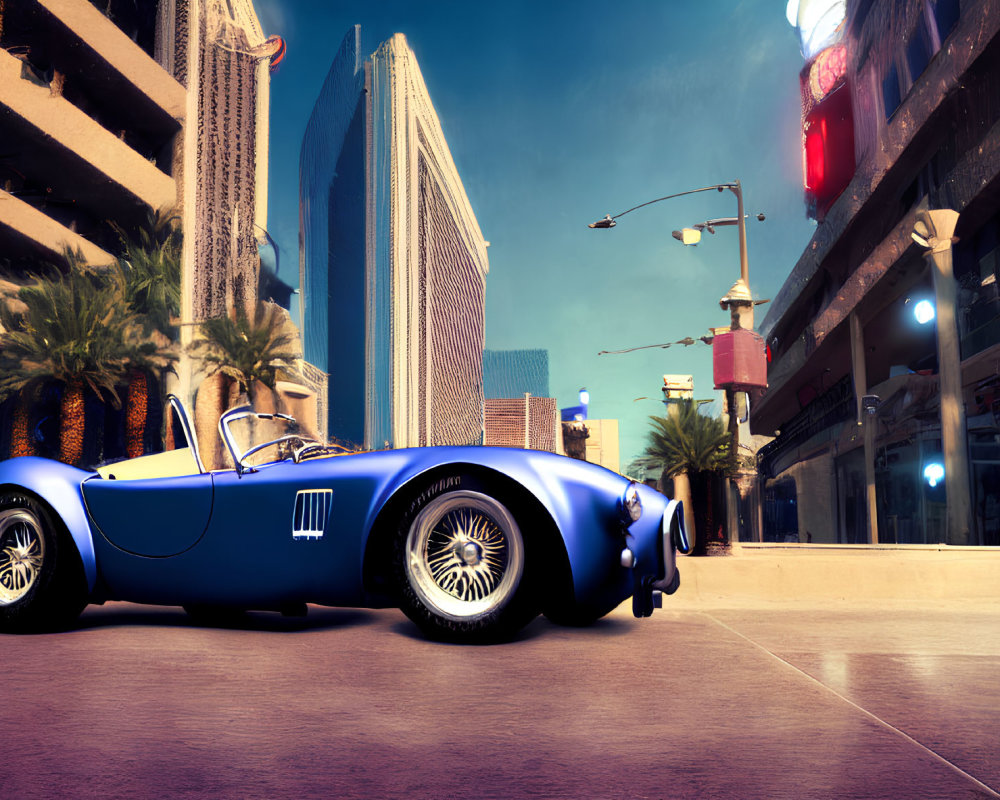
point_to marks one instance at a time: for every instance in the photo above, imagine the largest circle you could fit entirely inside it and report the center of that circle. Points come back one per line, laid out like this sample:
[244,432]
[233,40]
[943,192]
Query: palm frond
[686,441]
[247,350]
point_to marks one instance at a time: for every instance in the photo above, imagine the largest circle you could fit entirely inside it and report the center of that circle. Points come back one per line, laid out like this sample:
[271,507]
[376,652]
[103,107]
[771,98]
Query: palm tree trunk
[135,414]
[682,492]
[71,422]
[208,407]
[20,438]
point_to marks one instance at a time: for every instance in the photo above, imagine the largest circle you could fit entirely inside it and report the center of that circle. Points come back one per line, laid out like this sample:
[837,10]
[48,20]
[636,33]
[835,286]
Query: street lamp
[610,221]
[691,236]
[740,303]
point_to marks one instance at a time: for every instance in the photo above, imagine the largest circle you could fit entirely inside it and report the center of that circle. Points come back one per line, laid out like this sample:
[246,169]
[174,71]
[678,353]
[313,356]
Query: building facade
[856,399]
[117,111]
[602,443]
[392,262]
[105,115]
[90,124]
[528,422]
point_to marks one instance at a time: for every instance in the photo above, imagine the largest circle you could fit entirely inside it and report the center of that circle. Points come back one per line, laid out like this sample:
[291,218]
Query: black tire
[462,569]
[42,585]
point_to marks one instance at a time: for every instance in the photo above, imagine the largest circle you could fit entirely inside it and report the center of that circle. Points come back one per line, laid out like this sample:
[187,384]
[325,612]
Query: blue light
[924,311]
[933,474]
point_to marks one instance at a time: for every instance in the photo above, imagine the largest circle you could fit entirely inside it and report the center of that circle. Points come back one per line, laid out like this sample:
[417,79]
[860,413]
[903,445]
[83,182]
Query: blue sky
[558,113]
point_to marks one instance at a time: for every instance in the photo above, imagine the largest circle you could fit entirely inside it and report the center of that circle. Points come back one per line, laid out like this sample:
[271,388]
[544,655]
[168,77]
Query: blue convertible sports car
[470,542]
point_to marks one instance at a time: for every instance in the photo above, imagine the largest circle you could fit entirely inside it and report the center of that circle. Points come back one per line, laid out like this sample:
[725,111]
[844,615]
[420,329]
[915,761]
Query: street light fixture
[691,236]
[610,221]
[740,303]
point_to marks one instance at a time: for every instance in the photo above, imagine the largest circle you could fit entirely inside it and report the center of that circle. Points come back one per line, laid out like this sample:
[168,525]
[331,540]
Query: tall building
[216,48]
[90,122]
[526,422]
[110,111]
[104,114]
[860,400]
[392,262]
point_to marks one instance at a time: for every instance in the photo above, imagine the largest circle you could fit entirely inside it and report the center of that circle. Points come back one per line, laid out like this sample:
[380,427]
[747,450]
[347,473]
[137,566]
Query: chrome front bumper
[650,587]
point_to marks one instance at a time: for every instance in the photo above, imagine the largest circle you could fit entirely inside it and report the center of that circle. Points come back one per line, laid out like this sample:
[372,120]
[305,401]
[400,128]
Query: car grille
[312,510]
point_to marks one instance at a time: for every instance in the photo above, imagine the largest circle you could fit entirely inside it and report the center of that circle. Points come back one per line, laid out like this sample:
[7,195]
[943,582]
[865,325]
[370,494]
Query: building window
[985,476]
[977,269]
[946,14]
[781,519]
[918,51]
[891,96]
[911,508]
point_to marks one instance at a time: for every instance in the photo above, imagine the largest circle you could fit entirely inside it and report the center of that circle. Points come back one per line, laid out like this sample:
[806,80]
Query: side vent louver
[312,509]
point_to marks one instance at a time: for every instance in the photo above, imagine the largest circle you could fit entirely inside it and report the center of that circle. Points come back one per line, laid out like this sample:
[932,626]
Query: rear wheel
[461,566]
[41,581]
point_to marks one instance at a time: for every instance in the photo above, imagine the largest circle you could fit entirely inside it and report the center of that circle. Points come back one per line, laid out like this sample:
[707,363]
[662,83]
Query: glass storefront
[822,498]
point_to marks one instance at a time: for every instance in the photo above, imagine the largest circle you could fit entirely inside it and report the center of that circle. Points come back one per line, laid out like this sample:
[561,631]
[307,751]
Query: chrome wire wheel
[464,556]
[22,552]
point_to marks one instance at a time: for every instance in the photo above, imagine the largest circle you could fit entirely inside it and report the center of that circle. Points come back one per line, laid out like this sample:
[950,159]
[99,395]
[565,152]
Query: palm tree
[75,331]
[243,355]
[686,442]
[149,269]
[247,350]
[149,275]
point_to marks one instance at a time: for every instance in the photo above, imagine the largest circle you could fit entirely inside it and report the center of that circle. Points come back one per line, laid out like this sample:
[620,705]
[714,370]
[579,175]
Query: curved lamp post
[610,221]
[738,300]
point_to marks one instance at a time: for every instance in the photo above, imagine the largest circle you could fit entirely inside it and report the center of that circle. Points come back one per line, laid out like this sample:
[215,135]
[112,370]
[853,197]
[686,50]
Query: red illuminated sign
[828,150]
[739,360]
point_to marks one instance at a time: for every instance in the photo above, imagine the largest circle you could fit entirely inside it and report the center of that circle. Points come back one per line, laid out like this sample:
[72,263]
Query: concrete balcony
[80,23]
[41,236]
[88,122]
[74,163]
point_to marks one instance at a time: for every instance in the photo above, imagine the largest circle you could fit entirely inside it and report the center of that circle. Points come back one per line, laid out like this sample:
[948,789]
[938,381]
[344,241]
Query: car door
[155,517]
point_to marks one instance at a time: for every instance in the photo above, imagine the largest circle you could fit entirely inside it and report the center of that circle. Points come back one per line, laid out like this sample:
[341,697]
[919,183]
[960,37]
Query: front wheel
[41,585]
[461,564]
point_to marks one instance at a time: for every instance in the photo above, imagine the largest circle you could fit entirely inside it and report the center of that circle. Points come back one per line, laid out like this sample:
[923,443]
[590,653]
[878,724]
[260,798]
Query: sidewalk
[841,576]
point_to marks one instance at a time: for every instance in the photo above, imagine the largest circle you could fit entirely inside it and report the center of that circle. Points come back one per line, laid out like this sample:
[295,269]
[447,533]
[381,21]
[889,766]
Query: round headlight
[631,505]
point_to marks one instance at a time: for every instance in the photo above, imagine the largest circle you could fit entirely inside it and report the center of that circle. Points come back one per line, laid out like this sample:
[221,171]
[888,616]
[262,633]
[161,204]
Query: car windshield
[262,438]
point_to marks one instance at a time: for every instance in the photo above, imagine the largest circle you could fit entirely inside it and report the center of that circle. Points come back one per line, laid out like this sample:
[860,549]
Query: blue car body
[318,531]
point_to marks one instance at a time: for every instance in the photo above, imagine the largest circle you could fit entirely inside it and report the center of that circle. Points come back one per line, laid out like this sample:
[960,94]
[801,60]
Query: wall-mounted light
[934,473]
[924,312]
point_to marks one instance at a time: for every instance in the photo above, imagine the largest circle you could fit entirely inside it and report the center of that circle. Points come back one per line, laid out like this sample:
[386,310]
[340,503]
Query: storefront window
[853,497]
[910,493]
[985,469]
[781,515]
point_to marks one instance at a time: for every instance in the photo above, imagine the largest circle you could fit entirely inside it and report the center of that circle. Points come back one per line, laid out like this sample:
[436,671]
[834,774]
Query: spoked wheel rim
[464,555]
[22,552]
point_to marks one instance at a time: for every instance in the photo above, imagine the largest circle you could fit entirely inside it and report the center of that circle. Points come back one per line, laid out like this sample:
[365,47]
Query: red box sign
[739,360]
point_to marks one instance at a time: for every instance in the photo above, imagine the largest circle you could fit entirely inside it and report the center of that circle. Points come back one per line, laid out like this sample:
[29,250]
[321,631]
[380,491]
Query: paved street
[710,703]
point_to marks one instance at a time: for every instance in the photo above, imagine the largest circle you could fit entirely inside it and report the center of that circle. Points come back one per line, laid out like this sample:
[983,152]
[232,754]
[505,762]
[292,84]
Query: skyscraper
[392,262]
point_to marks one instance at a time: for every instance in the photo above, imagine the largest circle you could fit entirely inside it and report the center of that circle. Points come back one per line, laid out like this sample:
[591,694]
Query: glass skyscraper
[392,262]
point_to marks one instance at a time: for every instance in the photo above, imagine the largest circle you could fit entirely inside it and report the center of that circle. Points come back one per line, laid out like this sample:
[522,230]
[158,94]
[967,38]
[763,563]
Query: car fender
[566,488]
[58,485]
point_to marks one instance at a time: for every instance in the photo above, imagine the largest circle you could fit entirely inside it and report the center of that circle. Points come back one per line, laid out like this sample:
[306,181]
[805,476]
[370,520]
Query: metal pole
[741,223]
[859,371]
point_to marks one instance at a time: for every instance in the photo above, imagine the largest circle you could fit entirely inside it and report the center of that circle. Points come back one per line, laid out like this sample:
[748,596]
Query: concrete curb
[842,576]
